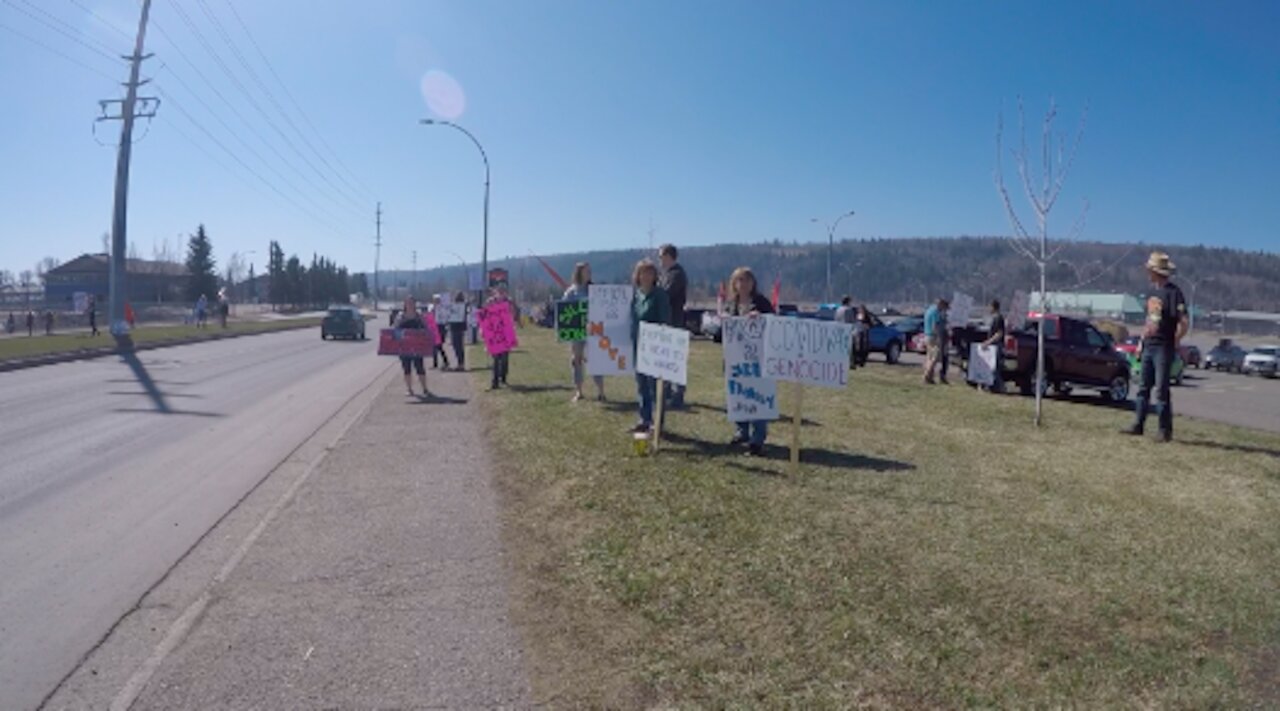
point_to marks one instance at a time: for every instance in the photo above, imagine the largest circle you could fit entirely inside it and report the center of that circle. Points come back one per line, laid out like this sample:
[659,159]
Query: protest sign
[452,312]
[80,301]
[432,324]
[609,346]
[960,311]
[807,351]
[663,353]
[473,318]
[982,364]
[498,328]
[571,321]
[406,342]
[748,395]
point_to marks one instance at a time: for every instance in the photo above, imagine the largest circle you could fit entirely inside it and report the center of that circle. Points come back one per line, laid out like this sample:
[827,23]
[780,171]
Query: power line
[301,112]
[71,35]
[60,53]
[354,205]
[102,20]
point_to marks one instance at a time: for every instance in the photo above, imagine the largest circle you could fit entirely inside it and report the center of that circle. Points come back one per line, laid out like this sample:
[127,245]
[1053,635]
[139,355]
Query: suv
[343,321]
[1076,354]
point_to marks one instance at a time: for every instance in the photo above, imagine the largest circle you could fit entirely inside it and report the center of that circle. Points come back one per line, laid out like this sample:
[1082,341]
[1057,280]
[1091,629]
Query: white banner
[982,364]
[451,312]
[609,347]
[663,352]
[748,396]
[807,351]
[960,311]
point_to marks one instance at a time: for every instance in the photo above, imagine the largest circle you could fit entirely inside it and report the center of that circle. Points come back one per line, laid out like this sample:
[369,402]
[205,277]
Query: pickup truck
[1076,355]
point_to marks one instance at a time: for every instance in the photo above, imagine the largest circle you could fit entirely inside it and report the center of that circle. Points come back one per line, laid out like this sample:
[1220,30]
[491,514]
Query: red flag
[720,299]
[559,280]
[777,290]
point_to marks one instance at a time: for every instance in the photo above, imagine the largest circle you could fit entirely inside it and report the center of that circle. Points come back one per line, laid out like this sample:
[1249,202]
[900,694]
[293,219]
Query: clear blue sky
[723,121]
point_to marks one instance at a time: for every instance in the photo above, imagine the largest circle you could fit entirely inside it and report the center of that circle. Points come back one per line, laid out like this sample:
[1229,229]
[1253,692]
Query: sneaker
[738,439]
[1132,431]
[755,450]
[944,381]
[640,427]
[929,381]
[1164,437]
[576,397]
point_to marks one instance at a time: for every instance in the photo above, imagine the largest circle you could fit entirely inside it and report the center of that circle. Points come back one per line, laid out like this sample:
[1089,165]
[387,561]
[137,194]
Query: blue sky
[721,121]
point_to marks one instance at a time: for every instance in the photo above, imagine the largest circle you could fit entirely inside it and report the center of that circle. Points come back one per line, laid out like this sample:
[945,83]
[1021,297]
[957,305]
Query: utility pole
[129,110]
[377,256]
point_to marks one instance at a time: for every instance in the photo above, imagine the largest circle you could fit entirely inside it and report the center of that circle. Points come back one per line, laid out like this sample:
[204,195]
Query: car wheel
[1178,380]
[1118,389]
[324,336]
[893,353]
[1062,389]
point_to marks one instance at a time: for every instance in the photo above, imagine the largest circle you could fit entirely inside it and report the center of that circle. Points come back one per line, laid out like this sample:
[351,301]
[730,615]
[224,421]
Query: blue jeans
[1157,365]
[645,392]
[754,432]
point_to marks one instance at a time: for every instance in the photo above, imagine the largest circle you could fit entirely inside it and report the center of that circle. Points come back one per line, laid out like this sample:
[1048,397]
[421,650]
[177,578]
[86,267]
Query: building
[1117,307]
[147,282]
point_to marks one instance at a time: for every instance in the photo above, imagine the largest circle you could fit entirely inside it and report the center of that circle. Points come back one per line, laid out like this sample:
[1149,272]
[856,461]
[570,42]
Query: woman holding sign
[411,319]
[458,330]
[577,292]
[501,361]
[649,306]
[748,301]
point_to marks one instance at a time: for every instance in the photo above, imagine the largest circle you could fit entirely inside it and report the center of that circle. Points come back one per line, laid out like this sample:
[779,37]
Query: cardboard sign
[451,312]
[498,328]
[663,352]
[982,364]
[406,342]
[432,324]
[807,351]
[748,395]
[961,309]
[80,301]
[571,321]
[609,347]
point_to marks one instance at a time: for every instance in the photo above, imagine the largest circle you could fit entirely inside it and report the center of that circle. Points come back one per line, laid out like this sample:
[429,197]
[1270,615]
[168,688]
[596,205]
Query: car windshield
[1267,351]
[340,313]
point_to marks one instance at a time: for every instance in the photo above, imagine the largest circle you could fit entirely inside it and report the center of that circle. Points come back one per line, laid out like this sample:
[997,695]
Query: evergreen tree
[202,279]
[277,287]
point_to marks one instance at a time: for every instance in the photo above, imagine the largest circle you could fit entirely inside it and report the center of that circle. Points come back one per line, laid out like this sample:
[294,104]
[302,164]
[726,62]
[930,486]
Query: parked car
[1076,355]
[1225,356]
[1264,361]
[342,322]
[908,326]
[1191,356]
[1130,345]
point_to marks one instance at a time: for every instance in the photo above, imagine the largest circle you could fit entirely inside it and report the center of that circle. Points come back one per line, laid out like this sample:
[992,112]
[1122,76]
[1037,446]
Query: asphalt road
[111,469]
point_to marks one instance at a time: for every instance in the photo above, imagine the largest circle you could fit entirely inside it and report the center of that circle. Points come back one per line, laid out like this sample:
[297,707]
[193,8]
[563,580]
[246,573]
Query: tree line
[292,283]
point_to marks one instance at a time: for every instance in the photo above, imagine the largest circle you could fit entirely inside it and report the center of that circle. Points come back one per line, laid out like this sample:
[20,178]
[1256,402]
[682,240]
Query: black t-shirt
[759,304]
[1165,309]
[676,284]
[997,327]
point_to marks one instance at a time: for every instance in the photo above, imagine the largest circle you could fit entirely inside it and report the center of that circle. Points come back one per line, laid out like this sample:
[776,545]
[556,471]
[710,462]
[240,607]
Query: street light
[831,245]
[849,268]
[484,253]
[1191,325]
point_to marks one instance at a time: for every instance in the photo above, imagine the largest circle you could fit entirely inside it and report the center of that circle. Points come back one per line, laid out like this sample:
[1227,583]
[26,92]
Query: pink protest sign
[432,325]
[406,342]
[498,328]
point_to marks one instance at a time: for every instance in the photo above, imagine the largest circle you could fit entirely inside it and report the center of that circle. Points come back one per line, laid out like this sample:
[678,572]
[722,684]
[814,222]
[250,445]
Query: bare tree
[44,266]
[132,254]
[6,277]
[106,243]
[235,268]
[1043,186]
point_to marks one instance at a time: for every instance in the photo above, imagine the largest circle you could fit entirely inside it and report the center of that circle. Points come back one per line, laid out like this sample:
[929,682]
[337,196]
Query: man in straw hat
[1165,327]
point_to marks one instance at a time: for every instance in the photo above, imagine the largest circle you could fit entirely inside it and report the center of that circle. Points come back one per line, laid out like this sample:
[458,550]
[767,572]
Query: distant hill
[912,270]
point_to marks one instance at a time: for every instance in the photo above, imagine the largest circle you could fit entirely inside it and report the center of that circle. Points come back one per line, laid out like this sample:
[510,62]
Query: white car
[1263,361]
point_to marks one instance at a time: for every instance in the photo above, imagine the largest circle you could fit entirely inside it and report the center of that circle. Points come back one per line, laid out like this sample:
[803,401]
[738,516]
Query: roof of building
[100,261]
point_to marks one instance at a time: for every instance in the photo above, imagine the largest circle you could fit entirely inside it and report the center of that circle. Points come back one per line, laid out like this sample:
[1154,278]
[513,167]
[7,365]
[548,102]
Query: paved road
[110,470]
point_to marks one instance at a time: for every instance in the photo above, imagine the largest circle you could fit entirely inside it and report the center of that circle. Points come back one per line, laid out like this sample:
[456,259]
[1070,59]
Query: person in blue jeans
[650,305]
[748,301]
[1166,325]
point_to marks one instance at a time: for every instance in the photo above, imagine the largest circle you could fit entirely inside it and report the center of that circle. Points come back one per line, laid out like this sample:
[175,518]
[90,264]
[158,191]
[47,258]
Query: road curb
[90,353]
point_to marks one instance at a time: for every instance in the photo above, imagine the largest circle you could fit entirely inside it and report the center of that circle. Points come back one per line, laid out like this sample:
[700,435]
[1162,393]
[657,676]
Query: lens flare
[443,94]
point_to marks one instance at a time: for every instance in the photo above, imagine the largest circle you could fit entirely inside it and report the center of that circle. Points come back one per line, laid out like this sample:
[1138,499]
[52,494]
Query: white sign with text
[806,351]
[748,395]
[609,347]
[663,352]
[982,364]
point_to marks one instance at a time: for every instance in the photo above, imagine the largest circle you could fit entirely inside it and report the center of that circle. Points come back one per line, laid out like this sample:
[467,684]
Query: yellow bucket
[640,441]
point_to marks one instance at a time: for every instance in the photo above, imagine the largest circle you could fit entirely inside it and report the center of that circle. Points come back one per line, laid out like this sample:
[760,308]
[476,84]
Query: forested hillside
[913,269]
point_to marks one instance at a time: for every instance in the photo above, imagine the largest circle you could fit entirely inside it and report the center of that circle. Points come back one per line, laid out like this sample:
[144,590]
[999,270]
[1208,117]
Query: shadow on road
[152,390]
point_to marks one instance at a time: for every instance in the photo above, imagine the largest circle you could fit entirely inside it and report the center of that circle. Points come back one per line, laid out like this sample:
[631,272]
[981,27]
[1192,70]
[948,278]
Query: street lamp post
[849,268]
[484,252]
[831,245]
[1191,325]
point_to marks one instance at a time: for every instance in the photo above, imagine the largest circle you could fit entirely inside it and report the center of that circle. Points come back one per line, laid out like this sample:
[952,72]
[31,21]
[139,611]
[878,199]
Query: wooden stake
[657,419]
[797,421]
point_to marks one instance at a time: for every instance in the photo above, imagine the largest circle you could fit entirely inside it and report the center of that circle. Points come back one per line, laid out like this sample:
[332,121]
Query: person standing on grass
[650,305]
[995,337]
[1165,327]
[844,314]
[748,301]
[442,327]
[502,361]
[577,292]
[935,330]
[862,333]
[676,283]
[93,316]
[202,311]
[31,323]
[48,322]
[458,331]
[410,319]
[10,324]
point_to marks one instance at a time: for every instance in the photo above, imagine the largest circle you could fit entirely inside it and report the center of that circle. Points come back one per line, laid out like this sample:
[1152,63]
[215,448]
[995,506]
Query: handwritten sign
[406,342]
[571,321]
[609,347]
[982,364]
[807,351]
[452,312]
[497,328]
[432,324]
[748,395]
[960,311]
[663,352]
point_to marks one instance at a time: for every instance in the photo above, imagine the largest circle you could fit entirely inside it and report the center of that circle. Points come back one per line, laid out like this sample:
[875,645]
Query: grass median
[933,550]
[21,347]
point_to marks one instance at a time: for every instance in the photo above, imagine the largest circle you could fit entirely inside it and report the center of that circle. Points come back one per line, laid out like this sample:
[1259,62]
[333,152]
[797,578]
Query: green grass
[40,344]
[933,550]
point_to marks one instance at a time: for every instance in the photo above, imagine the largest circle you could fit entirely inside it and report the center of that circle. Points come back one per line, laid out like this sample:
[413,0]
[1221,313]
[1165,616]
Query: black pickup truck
[1075,355]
